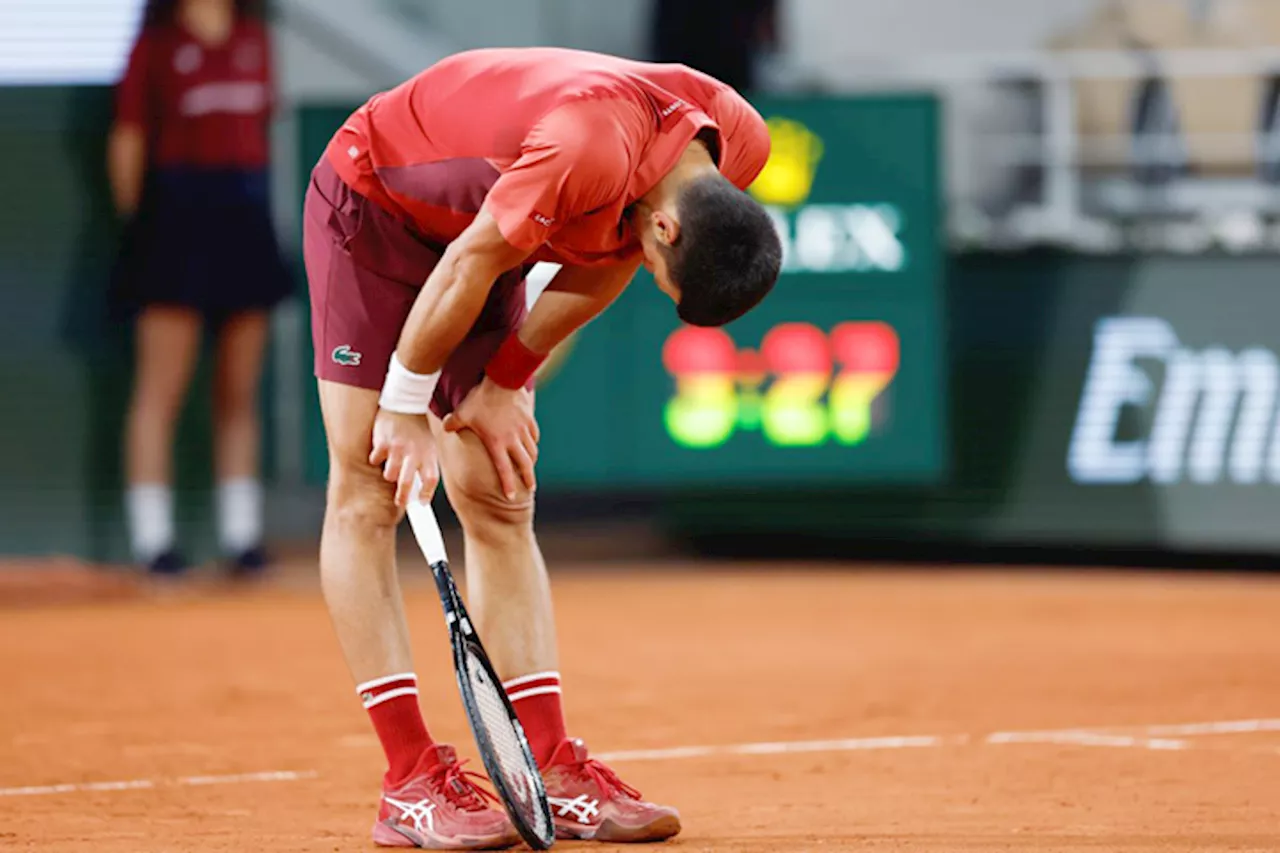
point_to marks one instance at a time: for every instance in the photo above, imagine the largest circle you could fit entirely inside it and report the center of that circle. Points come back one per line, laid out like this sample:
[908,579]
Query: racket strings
[512,760]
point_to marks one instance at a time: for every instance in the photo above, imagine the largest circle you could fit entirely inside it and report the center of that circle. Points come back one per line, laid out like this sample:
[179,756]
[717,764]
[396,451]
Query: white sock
[239,514]
[149,509]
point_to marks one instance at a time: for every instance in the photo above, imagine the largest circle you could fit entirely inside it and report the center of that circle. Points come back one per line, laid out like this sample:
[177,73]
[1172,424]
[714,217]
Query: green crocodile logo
[346,356]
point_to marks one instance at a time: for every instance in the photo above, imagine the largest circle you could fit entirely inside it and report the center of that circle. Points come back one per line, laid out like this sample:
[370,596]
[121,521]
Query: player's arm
[575,297]
[454,294]
[444,310]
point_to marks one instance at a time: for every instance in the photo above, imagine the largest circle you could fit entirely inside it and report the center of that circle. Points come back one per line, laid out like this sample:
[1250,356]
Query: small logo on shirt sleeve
[544,221]
[673,106]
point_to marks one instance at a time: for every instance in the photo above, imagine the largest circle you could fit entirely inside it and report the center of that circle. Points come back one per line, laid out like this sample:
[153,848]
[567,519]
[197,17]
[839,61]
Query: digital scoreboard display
[802,388]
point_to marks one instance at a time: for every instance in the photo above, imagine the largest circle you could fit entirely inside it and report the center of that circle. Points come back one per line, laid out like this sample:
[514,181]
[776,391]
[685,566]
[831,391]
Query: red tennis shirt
[554,143]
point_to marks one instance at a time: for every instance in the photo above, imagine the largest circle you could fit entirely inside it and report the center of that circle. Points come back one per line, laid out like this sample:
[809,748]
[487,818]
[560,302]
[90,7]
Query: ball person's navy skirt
[202,239]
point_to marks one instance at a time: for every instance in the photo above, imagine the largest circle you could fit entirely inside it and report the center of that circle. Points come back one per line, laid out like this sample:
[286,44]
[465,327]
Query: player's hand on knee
[403,446]
[504,421]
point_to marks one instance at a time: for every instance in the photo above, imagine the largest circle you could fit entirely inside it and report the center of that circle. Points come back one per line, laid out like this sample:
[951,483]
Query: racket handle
[425,528]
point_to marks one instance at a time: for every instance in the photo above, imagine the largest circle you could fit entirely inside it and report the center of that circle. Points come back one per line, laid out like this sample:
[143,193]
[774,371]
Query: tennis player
[421,219]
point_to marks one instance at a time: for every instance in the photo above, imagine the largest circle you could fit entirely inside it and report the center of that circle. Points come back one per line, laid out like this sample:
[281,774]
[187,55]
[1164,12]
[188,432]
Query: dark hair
[160,12]
[727,256]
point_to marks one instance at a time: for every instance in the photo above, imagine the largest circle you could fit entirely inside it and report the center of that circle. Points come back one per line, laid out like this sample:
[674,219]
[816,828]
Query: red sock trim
[514,364]
[392,703]
[536,699]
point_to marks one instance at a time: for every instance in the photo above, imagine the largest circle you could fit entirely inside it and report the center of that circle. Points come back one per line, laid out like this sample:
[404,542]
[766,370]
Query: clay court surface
[781,707]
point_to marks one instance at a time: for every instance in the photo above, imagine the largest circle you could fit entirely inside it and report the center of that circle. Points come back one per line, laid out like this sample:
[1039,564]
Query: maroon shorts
[364,269]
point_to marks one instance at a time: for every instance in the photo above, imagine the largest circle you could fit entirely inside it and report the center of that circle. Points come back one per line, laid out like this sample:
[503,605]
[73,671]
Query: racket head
[504,749]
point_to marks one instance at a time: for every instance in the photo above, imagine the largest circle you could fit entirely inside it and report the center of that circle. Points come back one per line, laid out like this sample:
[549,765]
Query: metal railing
[1090,193]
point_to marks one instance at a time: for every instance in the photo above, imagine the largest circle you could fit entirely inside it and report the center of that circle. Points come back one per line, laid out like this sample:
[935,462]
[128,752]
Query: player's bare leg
[507,586]
[358,541]
[427,800]
[510,598]
[167,346]
[241,346]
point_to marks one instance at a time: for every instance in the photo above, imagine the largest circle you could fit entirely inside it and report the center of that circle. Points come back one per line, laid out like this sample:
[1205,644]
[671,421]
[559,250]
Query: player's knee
[359,500]
[487,515]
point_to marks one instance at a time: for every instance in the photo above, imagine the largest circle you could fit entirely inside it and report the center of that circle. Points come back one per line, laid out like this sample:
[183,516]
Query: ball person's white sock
[149,511]
[239,514]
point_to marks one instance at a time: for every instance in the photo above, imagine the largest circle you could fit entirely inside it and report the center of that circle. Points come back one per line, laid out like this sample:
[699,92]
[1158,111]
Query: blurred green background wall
[64,376]
[970,440]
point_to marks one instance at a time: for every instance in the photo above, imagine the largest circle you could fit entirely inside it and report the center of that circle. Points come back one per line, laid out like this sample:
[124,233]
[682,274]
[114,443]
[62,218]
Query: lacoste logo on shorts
[346,356]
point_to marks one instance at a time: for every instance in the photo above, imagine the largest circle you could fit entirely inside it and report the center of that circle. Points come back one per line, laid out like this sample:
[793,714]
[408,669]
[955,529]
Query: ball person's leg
[167,346]
[240,351]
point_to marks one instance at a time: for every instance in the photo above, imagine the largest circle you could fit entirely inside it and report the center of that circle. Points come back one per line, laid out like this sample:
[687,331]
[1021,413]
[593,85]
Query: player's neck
[693,163]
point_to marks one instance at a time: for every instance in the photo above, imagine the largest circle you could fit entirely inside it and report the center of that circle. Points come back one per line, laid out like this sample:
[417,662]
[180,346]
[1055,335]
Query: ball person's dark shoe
[249,563]
[168,564]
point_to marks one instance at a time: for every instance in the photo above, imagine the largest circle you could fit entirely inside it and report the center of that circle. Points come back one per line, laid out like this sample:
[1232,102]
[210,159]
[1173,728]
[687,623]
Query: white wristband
[407,392]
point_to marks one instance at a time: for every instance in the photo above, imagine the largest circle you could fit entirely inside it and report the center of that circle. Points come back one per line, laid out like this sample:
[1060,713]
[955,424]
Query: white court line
[1083,738]
[1154,737]
[38,790]
[780,747]
[1226,727]
[136,784]
[238,778]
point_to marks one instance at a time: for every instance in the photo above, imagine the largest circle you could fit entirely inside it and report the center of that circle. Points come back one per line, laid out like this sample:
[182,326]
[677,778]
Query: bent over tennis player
[424,214]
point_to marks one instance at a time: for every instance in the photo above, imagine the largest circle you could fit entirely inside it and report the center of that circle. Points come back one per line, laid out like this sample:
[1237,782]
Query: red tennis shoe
[439,807]
[589,801]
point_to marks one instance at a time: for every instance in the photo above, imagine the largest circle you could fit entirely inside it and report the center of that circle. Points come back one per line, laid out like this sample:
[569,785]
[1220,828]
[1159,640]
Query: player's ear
[666,228]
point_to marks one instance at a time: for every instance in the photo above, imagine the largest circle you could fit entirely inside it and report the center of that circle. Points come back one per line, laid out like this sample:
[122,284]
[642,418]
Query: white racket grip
[425,527]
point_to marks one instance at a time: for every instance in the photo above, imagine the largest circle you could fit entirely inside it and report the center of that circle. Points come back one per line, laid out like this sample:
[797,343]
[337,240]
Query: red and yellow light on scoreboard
[804,386]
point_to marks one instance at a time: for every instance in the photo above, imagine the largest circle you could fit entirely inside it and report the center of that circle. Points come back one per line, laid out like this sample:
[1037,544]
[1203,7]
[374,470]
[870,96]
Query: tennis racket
[498,733]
